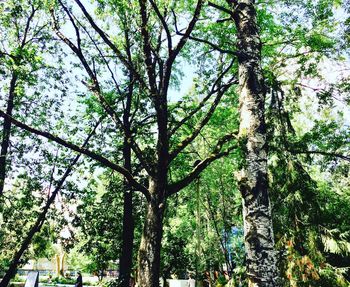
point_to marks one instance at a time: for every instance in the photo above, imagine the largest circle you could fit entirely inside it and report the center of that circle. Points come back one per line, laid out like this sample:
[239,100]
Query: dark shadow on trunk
[6,132]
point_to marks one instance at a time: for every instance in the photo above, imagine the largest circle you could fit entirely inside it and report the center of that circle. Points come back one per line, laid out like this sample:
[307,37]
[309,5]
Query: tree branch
[165,25]
[147,48]
[221,8]
[216,154]
[204,100]
[214,46]
[334,154]
[93,155]
[42,216]
[109,43]
[181,146]
[26,30]
[187,33]
[102,56]
[96,89]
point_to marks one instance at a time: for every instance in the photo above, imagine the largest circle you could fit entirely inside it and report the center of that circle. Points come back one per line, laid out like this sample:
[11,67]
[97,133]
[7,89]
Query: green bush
[330,278]
[18,278]
[109,283]
[221,281]
[63,280]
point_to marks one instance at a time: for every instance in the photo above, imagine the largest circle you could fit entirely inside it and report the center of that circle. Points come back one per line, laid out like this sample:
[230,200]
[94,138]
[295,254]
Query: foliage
[308,134]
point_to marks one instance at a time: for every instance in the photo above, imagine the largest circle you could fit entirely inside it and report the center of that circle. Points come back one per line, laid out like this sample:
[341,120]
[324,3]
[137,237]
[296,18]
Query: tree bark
[6,132]
[149,252]
[252,179]
[125,262]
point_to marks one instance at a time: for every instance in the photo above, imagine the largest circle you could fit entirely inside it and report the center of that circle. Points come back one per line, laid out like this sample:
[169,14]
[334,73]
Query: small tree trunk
[62,257]
[252,179]
[37,226]
[125,262]
[149,252]
[125,265]
[6,132]
[58,265]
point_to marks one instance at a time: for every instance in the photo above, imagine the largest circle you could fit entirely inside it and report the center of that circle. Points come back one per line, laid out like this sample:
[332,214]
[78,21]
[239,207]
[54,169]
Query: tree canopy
[176,137]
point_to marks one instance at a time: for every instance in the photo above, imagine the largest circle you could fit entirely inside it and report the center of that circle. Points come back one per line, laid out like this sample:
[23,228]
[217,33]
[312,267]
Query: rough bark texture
[149,252]
[6,132]
[258,231]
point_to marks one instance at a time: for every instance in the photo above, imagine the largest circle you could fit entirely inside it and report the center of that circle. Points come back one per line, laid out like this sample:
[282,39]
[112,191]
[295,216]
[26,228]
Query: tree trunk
[58,264]
[252,179]
[6,132]
[62,257]
[125,262]
[34,229]
[37,226]
[149,252]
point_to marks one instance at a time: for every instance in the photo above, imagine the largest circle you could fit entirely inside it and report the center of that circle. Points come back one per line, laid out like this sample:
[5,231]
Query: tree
[130,65]
[24,38]
[252,179]
[39,221]
[154,86]
[97,222]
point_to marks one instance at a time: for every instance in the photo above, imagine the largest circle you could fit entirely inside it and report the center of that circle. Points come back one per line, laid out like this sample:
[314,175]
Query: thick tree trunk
[252,179]
[149,252]
[6,132]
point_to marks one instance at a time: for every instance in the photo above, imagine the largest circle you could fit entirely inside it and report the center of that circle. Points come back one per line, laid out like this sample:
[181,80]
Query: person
[79,282]
[191,282]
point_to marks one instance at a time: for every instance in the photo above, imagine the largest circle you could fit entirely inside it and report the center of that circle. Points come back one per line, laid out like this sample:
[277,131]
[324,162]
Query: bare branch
[169,62]
[187,33]
[103,57]
[223,20]
[214,46]
[76,29]
[102,34]
[109,43]
[26,30]
[95,88]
